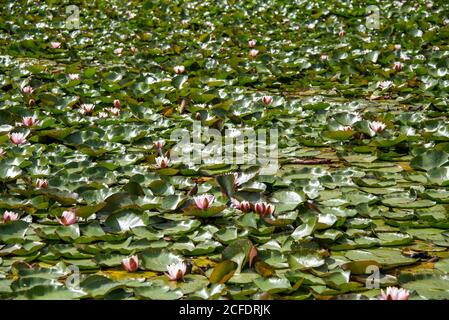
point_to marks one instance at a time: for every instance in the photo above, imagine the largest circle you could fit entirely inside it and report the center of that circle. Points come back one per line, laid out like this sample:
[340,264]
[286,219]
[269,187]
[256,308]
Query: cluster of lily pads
[92,206]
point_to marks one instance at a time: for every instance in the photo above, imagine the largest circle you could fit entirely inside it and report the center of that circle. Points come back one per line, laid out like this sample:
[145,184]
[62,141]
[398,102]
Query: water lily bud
[131,264]
[27,90]
[68,218]
[204,201]
[253,53]
[341,33]
[267,100]
[159,144]
[393,293]
[176,271]
[133,50]
[55,45]
[41,183]
[117,103]
[29,121]
[10,216]
[398,66]
[162,162]
[263,208]
[179,69]
[243,206]
[18,138]
[252,43]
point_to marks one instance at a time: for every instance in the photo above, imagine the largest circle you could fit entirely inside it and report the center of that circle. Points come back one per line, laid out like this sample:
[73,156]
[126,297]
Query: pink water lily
[324,57]
[263,208]
[397,47]
[131,264]
[253,53]
[114,111]
[55,45]
[41,183]
[377,126]
[68,217]
[244,206]
[162,162]
[73,76]
[176,271]
[118,51]
[133,50]
[267,100]
[393,293]
[27,90]
[159,144]
[204,201]
[398,66]
[252,43]
[341,33]
[29,121]
[179,69]
[10,216]
[18,138]
[117,103]
[346,128]
[87,108]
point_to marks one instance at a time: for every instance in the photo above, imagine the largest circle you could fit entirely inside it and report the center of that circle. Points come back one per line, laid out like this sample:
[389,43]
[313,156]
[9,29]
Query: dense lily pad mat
[348,197]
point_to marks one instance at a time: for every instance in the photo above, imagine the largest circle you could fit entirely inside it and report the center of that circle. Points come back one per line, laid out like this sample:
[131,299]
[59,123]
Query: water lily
[252,43]
[159,144]
[68,217]
[341,33]
[398,66]
[253,53]
[179,69]
[244,206]
[385,84]
[87,108]
[397,47]
[117,103]
[204,201]
[27,90]
[162,162]
[114,111]
[2,152]
[29,121]
[393,293]
[102,114]
[10,216]
[131,264]
[133,50]
[324,57]
[118,51]
[41,183]
[263,208]
[55,45]
[377,126]
[18,138]
[267,100]
[73,76]
[346,128]
[176,271]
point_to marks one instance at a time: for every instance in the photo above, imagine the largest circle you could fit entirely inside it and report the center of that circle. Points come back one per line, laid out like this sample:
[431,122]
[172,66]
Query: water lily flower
[10,216]
[263,208]
[73,76]
[68,217]
[244,206]
[253,53]
[133,50]
[204,201]
[118,51]
[397,47]
[2,152]
[209,24]
[114,111]
[377,126]
[324,57]
[130,14]
[267,100]
[311,26]
[131,264]
[41,183]
[398,66]
[117,103]
[162,162]
[176,271]
[341,33]
[393,293]
[159,144]
[27,90]
[102,114]
[55,45]
[185,22]
[346,128]
[179,69]
[29,121]
[384,84]
[252,43]
[87,108]
[18,138]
